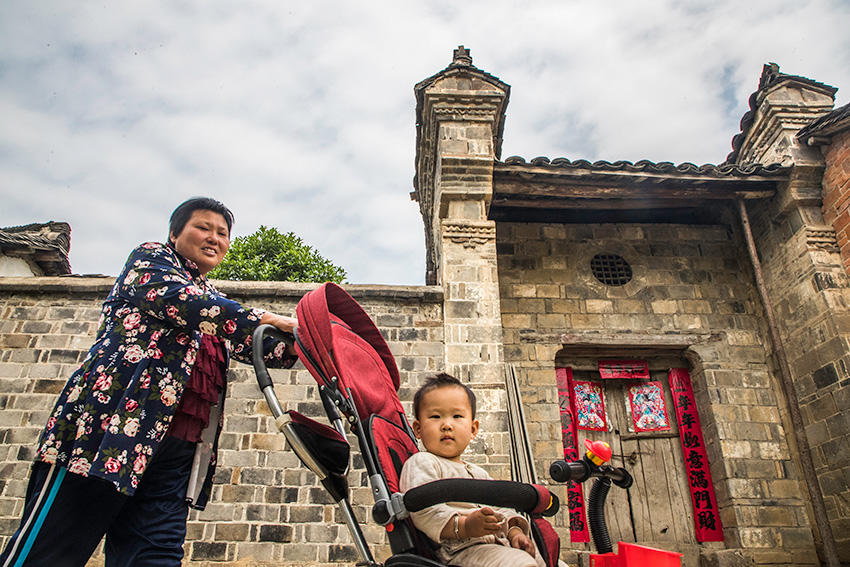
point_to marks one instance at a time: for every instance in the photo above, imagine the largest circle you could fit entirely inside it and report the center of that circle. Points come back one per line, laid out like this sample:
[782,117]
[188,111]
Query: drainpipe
[806,464]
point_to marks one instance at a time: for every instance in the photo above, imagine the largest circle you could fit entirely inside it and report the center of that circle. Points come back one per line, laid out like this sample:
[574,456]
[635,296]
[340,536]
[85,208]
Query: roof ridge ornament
[769,74]
[462,57]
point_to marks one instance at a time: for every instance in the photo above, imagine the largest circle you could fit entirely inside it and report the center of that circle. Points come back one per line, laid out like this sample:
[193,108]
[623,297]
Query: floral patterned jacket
[116,408]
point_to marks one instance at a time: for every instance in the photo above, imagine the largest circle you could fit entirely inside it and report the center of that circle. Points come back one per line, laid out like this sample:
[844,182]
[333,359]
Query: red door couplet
[706,515]
[579,532]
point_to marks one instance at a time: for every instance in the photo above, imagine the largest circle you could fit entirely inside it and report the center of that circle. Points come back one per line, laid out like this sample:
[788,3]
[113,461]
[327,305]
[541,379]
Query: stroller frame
[303,449]
[329,314]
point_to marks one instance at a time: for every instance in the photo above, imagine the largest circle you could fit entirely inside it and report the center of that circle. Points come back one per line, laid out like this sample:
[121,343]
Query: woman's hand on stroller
[285,324]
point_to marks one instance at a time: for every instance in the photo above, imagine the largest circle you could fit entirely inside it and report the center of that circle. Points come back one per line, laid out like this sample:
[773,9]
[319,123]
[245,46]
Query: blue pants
[66,516]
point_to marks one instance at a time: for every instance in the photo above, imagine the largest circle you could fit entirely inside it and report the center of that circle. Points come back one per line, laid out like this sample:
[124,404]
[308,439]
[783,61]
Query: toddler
[468,535]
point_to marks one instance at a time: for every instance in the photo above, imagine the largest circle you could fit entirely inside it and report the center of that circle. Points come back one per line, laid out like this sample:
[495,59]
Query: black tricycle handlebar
[580,471]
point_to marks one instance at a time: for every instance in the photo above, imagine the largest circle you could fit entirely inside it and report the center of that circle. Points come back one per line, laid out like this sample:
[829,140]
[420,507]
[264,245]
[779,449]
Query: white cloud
[302,116]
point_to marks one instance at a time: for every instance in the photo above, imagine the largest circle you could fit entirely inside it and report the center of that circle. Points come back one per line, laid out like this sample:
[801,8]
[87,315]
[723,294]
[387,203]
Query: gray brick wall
[266,508]
[813,308]
[689,281]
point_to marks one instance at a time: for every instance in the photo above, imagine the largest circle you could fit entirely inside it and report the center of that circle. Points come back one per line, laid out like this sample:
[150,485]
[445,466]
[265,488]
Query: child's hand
[520,541]
[483,521]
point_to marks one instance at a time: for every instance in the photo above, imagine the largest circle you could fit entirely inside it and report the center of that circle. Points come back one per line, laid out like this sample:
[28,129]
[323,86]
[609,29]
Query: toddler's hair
[439,381]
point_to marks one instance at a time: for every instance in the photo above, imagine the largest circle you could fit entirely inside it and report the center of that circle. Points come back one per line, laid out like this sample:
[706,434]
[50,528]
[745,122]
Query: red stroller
[358,382]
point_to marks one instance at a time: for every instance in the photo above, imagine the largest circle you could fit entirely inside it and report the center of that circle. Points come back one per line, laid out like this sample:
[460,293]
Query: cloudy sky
[300,115]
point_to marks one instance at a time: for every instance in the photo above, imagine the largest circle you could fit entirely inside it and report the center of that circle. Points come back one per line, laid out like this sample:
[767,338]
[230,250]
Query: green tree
[271,256]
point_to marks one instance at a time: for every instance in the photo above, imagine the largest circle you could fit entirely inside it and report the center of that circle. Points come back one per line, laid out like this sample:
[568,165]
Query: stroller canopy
[337,339]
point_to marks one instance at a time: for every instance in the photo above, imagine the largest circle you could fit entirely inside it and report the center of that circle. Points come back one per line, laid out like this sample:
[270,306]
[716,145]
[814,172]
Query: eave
[622,191]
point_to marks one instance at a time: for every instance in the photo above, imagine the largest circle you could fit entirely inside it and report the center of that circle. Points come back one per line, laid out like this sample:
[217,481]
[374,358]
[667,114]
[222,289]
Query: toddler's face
[445,424]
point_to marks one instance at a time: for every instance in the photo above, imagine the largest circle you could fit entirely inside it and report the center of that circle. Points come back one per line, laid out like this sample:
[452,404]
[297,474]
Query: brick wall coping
[682,340]
[82,285]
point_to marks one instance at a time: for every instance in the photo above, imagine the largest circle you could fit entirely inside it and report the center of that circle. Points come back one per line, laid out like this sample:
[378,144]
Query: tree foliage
[269,255]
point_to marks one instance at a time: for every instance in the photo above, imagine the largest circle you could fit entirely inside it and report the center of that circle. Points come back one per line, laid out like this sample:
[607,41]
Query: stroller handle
[520,496]
[260,332]
[263,378]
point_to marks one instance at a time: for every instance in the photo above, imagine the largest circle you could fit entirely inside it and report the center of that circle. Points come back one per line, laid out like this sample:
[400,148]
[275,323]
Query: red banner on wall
[706,515]
[575,498]
[625,369]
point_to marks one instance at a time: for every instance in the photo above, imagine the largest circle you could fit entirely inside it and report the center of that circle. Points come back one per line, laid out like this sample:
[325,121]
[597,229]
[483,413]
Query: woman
[116,456]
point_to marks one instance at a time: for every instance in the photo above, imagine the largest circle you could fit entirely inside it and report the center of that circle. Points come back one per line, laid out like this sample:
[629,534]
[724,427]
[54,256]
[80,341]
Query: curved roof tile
[646,166]
[825,123]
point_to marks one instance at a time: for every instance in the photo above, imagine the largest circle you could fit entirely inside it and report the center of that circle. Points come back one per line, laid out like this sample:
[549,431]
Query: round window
[611,269]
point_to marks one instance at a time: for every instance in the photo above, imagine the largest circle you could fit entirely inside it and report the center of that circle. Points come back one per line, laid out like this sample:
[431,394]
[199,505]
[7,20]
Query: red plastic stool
[631,555]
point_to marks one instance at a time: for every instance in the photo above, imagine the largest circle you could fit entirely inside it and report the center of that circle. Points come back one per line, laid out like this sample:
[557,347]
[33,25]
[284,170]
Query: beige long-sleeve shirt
[426,467]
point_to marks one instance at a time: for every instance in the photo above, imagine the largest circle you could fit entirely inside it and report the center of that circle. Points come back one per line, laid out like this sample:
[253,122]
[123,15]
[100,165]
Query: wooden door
[656,511]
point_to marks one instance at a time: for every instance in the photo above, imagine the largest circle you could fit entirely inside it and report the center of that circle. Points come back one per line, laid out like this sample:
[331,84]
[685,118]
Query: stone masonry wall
[810,290]
[266,509]
[460,114]
[807,284]
[689,281]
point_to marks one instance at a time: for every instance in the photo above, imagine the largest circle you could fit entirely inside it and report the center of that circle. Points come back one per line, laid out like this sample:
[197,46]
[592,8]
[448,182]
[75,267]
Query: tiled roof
[44,244]
[664,167]
[770,76]
[825,123]
[11,239]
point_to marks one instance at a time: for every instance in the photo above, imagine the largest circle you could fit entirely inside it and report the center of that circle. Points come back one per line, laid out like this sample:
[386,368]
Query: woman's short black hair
[183,213]
[441,380]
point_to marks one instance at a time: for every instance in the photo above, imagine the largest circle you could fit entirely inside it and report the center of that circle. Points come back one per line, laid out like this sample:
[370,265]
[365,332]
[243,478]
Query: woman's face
[204,240]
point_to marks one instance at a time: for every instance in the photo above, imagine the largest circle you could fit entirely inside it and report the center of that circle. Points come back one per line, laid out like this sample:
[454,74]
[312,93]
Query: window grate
[611,269]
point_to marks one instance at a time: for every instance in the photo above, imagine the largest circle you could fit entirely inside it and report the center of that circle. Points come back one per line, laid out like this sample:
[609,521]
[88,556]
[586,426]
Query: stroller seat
[358,382]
